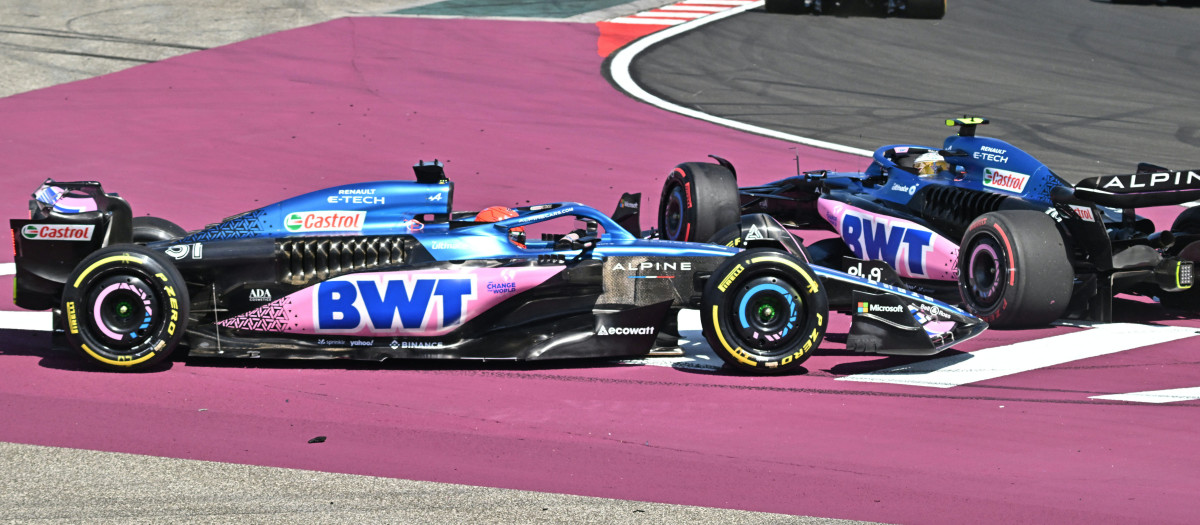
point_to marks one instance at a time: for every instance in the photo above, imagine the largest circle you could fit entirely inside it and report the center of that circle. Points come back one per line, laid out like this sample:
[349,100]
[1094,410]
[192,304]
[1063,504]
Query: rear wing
[67,222]
[1150,185]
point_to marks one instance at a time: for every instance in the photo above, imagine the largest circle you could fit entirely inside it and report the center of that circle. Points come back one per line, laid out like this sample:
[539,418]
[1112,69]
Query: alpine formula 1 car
[932,9]
[388,270]
[977,220]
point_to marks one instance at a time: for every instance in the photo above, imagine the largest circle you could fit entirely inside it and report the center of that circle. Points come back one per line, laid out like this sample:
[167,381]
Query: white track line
[35,321]
[1020,357]
[1155,396]
[619,71]
[39,321]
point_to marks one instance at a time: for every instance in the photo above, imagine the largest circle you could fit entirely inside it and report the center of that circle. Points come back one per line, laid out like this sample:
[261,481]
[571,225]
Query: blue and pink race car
[976,221]
[389,269]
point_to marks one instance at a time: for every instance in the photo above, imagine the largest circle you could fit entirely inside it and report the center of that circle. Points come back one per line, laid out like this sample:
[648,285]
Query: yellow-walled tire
[125,308]
[764,311]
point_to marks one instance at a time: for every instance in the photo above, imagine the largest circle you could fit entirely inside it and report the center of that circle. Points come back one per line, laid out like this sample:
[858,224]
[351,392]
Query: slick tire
[764,311]
[125,308]
[791,7]
[698,200]
[1013,269]
[153,229]
[926,9]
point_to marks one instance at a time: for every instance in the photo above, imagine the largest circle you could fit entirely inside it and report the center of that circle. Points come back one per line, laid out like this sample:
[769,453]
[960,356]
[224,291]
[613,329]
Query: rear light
[14,239]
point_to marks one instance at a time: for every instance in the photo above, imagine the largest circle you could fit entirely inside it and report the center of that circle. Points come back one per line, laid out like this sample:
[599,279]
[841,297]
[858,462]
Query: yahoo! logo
[872,237]
[393,304]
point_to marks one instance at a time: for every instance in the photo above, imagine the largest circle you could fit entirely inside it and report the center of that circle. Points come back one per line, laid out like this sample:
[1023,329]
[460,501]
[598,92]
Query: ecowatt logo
[625,330]
[325,221]
[57,232]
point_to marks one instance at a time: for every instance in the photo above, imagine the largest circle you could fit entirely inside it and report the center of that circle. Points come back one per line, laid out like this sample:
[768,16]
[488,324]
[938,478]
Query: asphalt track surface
[1090,88]
[217,131]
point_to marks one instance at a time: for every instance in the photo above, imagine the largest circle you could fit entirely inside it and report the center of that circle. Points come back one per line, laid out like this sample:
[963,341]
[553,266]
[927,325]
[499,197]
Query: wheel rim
[124,310]
[673,213]
[769,310]
[985,273]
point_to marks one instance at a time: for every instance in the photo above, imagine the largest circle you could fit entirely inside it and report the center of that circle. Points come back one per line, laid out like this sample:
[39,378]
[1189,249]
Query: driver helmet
[929,164]
[499,213]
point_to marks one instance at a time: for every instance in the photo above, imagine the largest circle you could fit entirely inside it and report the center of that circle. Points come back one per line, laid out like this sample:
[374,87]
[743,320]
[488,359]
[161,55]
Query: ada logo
[57,232]
[625,330]
[260,295]
[1005,180]
[324,221]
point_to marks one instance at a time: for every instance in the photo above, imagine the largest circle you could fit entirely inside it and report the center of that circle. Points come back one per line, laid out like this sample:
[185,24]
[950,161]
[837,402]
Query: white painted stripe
[647,21]
[22,320]
[1156,396]
[1020,357]
[697,355]
[706,8]
[672,14]
[623,58]
[39,321]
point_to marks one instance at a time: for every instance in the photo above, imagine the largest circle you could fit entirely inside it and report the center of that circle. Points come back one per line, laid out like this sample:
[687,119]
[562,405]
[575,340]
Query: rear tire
[152,229]
[1013,269]
[926,9]
[764,311]
[698,200]
[126,308]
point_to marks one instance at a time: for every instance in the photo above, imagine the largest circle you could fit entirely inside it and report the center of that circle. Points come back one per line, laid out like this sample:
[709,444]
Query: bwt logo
[324,221]
[876,238]
[396,305]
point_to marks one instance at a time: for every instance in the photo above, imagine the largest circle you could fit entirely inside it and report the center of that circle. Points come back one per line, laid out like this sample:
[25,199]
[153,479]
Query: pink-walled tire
[125,308]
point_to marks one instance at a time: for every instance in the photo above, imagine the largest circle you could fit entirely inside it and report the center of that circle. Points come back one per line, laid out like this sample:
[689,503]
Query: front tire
[126,308]
[1013,269]
[764,311]
[698,200]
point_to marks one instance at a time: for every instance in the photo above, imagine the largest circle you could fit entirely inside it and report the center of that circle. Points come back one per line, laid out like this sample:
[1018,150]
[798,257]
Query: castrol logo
[325,221]
[58,232]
